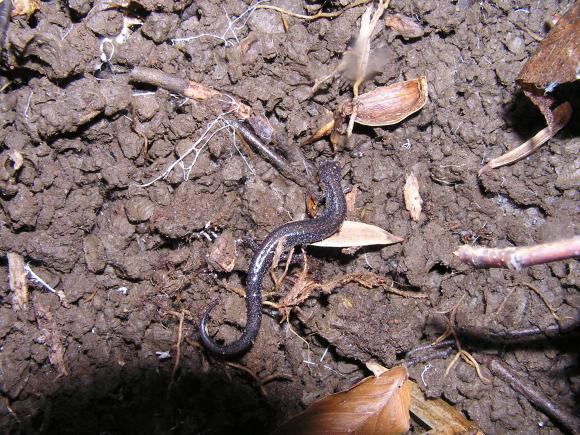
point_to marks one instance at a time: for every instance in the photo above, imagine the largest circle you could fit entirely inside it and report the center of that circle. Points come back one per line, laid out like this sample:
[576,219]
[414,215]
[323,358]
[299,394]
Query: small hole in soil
[33,22]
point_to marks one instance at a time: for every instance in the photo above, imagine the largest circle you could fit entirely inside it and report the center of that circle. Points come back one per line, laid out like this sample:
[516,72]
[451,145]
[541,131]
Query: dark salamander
[293,233]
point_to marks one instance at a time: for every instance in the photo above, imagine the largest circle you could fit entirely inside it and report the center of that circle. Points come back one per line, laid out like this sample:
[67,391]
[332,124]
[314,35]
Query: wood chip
[18,281]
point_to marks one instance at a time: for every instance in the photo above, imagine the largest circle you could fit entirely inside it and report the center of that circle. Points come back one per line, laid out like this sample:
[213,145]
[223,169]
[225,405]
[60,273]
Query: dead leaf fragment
[377,405]
[358,234]
[389,105]
[413,201]
[51,337]
[561,115]
[441,417]
[223,253]
[407,27]
[18,281]
[24,7]
[557,59]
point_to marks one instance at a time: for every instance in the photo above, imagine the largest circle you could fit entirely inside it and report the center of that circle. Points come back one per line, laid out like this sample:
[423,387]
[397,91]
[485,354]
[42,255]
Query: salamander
[291,234]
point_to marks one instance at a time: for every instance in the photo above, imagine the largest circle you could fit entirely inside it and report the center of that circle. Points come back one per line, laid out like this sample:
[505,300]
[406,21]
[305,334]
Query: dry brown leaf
[24,7]
[441,417]
[560,116]
[358,234]
[556,61]
[557,58]
[389,105]
[377,405]
[412,197]
[18,281]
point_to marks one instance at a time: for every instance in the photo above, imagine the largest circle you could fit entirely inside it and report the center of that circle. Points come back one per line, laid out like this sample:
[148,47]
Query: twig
[543,298]
[172,83]
[466,356]
[519,257]
[177,349]
[316,16]
[267,153]
[532,394]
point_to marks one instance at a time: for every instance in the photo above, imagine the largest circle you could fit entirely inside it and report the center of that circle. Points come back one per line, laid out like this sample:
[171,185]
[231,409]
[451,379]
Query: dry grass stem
[316,16]
[561,116]
[536,290]
[177,349]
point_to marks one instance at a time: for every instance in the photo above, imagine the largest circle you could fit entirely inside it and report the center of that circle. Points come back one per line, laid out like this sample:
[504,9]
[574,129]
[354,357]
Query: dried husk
[413,201]
[391,104]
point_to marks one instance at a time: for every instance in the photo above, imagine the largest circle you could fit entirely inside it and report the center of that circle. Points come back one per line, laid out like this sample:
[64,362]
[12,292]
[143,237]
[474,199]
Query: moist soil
[131,260]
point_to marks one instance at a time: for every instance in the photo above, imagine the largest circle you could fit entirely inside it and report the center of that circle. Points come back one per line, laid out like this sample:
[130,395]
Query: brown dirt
[127,256]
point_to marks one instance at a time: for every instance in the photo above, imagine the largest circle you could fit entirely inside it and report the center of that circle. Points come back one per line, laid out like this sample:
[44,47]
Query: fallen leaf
[557,58]
[441,417]
[18,281]
[412,197]
[377,405]
[358,234]
[556,61]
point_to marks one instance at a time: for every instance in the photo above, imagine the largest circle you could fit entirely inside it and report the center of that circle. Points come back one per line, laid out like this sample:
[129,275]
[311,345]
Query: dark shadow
[137,401]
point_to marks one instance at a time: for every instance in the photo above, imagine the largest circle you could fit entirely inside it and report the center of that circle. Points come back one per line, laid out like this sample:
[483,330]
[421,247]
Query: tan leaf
[24,7]
[377,405]
[358,234]
[412,197]
[441,417]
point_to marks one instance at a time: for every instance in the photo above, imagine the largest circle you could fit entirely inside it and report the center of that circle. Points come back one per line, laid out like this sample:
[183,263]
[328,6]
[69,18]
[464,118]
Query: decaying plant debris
[142,142]
[377,405]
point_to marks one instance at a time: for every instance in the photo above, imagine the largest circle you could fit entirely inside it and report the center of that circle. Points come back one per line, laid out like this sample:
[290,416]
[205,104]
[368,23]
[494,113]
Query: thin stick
[532,394]
[519,257]
[316,16]
[177,349]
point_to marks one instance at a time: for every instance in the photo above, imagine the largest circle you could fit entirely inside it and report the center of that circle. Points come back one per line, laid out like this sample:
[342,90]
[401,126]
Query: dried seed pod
[407,27]
[413,199]
[139,209]
[389,105]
